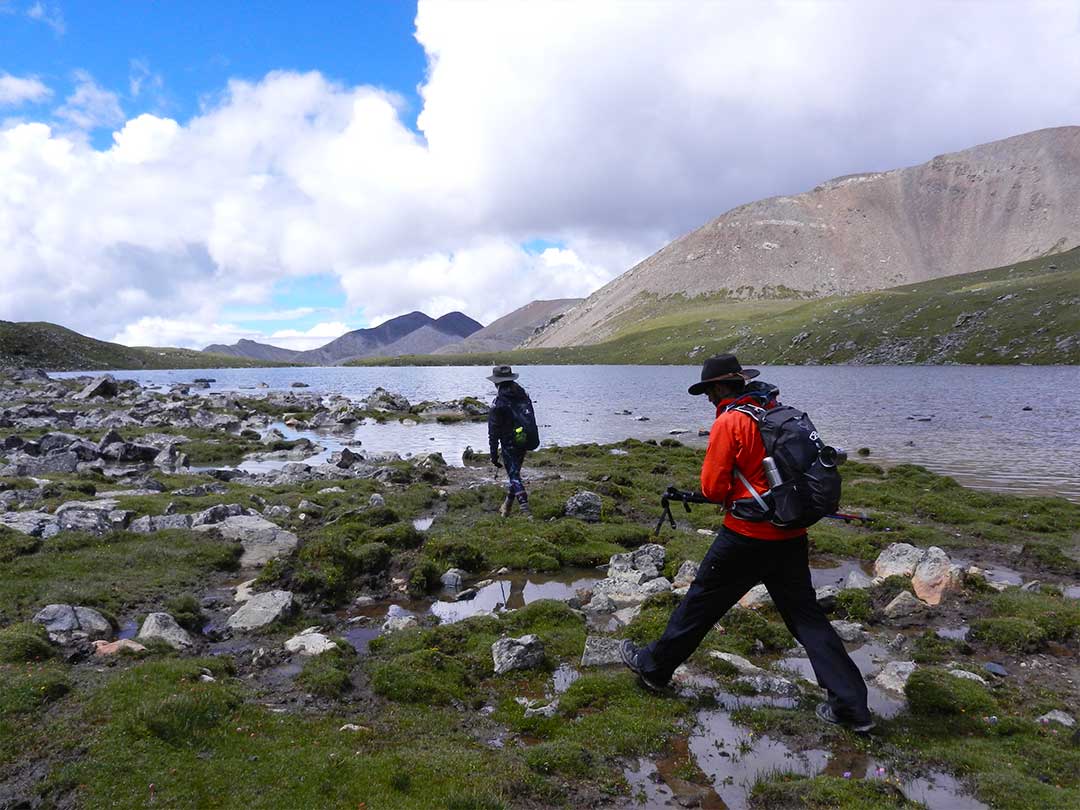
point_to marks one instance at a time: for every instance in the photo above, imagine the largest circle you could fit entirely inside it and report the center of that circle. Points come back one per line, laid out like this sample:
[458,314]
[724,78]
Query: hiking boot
[526,511]
[628,651]
[507,505]
[826,713]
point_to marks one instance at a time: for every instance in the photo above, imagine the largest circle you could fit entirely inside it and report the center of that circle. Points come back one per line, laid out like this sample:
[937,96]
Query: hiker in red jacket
[747,552]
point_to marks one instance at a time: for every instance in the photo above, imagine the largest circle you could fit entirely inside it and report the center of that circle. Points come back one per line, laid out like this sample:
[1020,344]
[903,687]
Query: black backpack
[525,435]
[810,487]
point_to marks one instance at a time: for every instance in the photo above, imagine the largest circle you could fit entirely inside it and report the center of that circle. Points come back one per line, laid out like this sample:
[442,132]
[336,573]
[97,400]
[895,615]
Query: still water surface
[1012,428]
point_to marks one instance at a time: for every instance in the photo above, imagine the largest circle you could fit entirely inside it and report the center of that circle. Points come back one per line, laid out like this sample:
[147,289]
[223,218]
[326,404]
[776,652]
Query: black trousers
[733,565]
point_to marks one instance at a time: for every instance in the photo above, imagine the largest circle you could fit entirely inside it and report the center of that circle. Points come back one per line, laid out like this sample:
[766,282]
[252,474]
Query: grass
[785,790]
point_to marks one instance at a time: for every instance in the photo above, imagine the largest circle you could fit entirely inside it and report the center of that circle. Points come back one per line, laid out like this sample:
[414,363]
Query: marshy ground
[416,717]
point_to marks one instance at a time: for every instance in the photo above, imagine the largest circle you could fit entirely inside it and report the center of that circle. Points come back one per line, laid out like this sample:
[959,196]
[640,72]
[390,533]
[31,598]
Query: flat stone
[104,648]
[768,683]
[741,664]
[262,609]
[996,669]
[310,643]
[601,651]
[244,591]
[262,540]
[33,523]
[547,710]
[899,559]
[163,627]
[894,675]
[216,514]
[935,576]
[526,652]
[627,615]
[968,676]
[1058,716]
[851,632]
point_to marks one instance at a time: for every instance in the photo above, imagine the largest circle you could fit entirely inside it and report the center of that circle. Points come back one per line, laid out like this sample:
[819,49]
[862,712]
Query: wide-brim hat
[721,368]
[501,374]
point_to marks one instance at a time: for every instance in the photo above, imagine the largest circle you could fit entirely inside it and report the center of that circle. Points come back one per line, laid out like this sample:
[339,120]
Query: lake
[1010,428]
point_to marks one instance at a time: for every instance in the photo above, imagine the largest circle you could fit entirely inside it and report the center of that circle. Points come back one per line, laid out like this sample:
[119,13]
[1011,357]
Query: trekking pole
[673,493]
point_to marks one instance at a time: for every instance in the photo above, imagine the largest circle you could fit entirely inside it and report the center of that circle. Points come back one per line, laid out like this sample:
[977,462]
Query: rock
[33,523]
[376,501]
[103,648]
[453,578]
[857,580]
[1057,716]
[352,727]
[905,606]
[601,651]
[601,603]
[826,596]
[685,575]
[310,642]
[626,615]
[769,683]
[277,511]
[543,711]
[307,507]
[895,675]
[299,385]
[91,521]
[899,559]
[345,458]
[262,609]
[382,400]
[508,654]
[851,632]
[216,514]
[585,506]
[104,386]
[466,595]
[66,624]
[935,576]
[968,676]
[741,664]
[160,523]
[996,669]
[262,540]
[401,622]
[758,596]
[163,627]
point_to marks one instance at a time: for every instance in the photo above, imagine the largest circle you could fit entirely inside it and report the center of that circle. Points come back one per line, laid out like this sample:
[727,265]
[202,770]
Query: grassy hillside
[46,345]
[1023,313]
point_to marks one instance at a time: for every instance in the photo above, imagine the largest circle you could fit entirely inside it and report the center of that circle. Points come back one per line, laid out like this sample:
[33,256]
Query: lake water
[1011,428]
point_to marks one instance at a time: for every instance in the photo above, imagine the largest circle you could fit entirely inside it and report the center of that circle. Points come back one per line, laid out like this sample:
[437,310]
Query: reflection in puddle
[360,637]
[128,629]
[828,571]
[869,658]
[514,592]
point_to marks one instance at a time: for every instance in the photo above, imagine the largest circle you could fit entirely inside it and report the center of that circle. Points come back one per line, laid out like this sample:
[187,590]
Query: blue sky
[185,173]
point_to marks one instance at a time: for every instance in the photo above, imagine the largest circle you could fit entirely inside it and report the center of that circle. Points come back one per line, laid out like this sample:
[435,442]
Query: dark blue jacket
[501,419]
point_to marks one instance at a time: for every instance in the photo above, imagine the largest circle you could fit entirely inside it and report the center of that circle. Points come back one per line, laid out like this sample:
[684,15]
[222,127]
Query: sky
[191,173]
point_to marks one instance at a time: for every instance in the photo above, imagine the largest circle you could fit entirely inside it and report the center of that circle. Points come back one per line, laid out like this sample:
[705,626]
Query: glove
[496,461]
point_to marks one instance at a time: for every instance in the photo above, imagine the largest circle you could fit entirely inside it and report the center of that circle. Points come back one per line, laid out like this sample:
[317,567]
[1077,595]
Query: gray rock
[91,521]
[548,710]
[376,501]
[626,615]
[262,540]
[686,573]
[857,580]
[1058,716]
[895,675]
[163,627]
[104,386]
[905,606]
[851,632]
[454,578]
[66,624]
[899,559]
[741,664]
[216,514]
[277,511]
[758,596]
[601,651]
[585,506]
[996,669]
[399,622]
[307,507]
[826,596]
[310,642]
[160,523]
[508,654]
[968,676]
[601,602]
[767,683]
[262,609]
[33,523]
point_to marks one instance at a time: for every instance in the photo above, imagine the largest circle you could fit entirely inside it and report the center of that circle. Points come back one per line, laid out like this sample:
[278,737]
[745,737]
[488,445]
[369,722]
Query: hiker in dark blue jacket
[511,428]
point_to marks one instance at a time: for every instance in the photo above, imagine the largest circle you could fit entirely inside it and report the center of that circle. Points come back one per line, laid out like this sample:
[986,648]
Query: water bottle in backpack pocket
[524,433]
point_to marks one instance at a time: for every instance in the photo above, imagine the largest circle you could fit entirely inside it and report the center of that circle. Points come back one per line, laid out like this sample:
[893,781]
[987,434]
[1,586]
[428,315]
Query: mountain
[46,345]
[254,351]
[407,334]
[983,207]
[510,330]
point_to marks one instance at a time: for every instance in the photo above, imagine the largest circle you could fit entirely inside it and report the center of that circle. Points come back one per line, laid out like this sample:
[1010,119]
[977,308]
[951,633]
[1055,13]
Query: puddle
[422,524]
[869,658]
[128,629]
[997,573]
[360,636]
[513,592]
[828,571]
[1072,592]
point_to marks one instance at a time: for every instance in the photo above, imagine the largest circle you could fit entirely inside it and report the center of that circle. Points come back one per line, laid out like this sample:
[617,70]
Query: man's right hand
[496,462]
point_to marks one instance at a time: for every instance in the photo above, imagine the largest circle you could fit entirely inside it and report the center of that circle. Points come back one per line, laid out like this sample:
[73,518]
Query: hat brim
[702,386]
[496,379]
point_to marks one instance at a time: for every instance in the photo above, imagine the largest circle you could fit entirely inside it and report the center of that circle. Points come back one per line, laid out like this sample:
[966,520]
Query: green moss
[371,558]
[24,642]
[396,536]
[794,791]
[14,544]
[930,648]
[424,578]
[329,675]
[935,693]
[1058,617]
[427,677]
[1008,633]
[187,611]
[854,604]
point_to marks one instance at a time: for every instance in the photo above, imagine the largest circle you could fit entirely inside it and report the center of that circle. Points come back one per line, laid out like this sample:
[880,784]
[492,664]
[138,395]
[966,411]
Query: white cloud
[607,127]
[21,89]
[48,13]
[312,338]
[90,105]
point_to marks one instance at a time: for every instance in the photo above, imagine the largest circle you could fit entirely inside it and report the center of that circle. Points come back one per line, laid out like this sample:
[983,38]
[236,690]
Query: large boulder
[262,609]
[508,654]
[163,627]
[66,624]
[935,576]
[262,540]
[585,506]
[104,386]
[33,523]
[898,559]
[382,400]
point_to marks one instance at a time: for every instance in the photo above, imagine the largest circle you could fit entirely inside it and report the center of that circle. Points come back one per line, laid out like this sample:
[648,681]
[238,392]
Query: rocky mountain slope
[47,345]
[411,333]
[512,329]
[987,206]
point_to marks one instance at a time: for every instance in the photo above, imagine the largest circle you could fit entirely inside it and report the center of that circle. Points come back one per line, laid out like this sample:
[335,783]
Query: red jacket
[735,441]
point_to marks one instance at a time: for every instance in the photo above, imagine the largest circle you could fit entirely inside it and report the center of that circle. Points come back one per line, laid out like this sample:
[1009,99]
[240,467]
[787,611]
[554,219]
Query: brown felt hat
[721,368]
[501,374]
